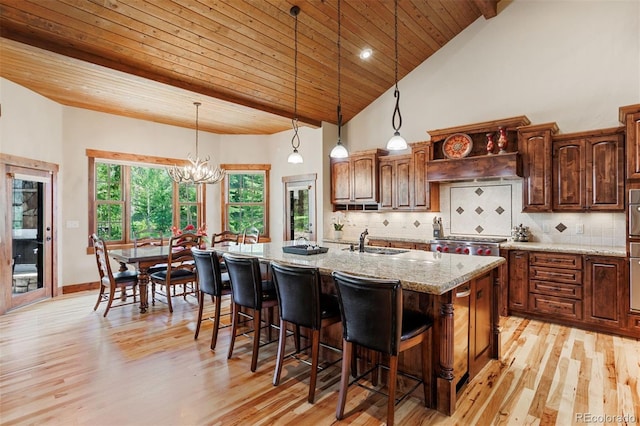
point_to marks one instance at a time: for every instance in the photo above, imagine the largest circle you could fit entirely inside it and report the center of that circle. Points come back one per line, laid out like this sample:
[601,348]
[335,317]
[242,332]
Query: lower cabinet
[605,293]
[399,244]
[580,290]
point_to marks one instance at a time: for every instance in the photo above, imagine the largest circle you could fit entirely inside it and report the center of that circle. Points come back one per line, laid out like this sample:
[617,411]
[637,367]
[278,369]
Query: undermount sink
[379,250]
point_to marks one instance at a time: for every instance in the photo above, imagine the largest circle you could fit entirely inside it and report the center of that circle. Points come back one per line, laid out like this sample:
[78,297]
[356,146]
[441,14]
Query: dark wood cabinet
[480,333]
[396,175]
[585,291]
[426,195]
[518,292]
[630,117]
[588,171]
[354,180]
[534,145]
[606,289]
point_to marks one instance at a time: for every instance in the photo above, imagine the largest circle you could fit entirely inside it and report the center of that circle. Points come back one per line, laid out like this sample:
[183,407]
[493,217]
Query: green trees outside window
[246,201]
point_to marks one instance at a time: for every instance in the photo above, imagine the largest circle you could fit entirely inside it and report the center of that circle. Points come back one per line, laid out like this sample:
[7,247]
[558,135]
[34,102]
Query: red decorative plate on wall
[457,146]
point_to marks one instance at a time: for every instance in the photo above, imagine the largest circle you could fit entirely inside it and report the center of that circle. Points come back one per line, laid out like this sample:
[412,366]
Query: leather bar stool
[302,304]
[213,282]
[373,317]
[250,291]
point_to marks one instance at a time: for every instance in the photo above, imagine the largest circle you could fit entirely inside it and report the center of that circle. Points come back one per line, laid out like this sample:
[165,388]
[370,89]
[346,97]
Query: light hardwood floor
[62,363]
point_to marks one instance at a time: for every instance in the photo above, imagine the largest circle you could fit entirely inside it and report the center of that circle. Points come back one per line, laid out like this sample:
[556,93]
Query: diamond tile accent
[479,229]
[561,227]
[499,210]
[460,210]
[385,222]
[479,210]
[416,223]
[479,191]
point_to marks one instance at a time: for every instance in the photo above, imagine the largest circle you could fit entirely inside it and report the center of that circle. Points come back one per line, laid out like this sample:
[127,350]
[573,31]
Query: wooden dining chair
[225,238]
[251,235]
[109,281]
[181,269]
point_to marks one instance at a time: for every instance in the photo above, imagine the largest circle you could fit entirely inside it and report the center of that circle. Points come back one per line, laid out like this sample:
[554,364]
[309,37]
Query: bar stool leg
[256,339]
[279,359]
[347,348]
[234,327]
[315,350]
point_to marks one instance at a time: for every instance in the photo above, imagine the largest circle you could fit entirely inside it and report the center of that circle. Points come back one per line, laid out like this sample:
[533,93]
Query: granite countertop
[598,250]
[421,271]
[620,251]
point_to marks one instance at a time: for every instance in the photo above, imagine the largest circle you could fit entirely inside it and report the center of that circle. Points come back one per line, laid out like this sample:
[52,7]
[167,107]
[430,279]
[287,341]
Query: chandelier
[197,171]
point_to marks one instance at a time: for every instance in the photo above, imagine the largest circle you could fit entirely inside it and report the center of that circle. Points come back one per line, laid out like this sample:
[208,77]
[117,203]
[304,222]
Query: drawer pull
[464,293]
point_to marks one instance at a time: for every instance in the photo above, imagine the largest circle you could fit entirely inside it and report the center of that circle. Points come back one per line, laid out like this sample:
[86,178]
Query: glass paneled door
[300,205]
[31,221]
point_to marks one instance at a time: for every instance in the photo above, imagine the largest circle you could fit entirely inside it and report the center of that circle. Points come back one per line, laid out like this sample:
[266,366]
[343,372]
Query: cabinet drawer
[556,289]
[569,276]
[556,260]
[559,307]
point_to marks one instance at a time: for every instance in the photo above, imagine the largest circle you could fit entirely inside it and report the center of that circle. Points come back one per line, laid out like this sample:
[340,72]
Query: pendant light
[396,142]
[197,171]
[339,151]
[295,157]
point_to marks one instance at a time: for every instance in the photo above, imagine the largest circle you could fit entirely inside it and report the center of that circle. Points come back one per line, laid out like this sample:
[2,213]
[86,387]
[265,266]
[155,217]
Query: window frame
[135,160]
[249,168]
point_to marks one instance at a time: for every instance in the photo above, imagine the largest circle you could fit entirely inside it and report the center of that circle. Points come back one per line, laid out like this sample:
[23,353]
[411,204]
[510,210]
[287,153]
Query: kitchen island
[460,293]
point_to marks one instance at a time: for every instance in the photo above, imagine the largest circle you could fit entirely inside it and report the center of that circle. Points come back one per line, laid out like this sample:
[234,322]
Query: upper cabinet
[426,195]
[588,171]
[396,175]
[630,117]
[534,145]
[354,180]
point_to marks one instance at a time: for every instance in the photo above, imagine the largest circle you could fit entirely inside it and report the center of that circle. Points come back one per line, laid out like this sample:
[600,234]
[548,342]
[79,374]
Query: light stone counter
[420,271]
[566,248]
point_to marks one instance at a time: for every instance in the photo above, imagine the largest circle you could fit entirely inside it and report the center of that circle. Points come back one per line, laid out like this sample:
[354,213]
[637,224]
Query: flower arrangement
[191,229]
[338,221]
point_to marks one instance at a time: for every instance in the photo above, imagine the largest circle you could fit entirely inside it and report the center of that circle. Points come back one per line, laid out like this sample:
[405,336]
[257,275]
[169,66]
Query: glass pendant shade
[295,157]
[339,151]
[397,142]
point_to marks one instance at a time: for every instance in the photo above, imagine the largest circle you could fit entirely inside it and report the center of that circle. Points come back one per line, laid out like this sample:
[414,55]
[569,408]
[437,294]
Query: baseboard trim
[75,288]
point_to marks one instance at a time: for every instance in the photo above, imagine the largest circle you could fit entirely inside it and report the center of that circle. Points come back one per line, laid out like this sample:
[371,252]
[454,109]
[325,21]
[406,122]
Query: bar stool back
[250,291]
[213,282]
[302,303]
[373,317]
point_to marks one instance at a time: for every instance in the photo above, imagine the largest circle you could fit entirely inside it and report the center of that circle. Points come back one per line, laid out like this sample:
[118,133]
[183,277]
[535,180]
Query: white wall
[572,62]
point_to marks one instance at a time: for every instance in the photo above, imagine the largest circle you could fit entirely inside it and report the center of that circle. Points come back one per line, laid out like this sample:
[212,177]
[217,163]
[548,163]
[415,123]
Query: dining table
[141,258]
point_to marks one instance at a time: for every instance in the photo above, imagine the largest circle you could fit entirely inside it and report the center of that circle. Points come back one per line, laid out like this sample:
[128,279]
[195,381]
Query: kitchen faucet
[362,237]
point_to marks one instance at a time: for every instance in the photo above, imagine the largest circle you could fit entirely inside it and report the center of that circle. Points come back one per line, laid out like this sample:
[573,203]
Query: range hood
[505,166]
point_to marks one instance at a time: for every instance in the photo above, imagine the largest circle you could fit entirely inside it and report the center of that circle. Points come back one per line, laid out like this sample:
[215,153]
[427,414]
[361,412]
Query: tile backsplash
[490,208]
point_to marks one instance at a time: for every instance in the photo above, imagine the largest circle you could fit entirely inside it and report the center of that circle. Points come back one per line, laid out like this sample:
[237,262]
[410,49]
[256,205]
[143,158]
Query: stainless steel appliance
[473,246]
[634,213]
[634,276]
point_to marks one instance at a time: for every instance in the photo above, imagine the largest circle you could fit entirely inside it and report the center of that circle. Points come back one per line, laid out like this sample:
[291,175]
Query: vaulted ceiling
[151,59]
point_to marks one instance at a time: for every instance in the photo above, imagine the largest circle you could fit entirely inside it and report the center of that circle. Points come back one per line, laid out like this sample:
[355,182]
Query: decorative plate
[457,146]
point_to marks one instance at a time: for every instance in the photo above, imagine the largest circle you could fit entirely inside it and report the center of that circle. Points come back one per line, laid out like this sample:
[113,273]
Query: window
[133,195]
[245,197]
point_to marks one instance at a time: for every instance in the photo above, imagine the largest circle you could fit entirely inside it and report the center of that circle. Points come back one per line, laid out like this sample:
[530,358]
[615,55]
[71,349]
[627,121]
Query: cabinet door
[632,122]
[518,280]
[605,173]
[403,177]
[605,290]
[569,175]
[340,181]
[426,196]
[535,148]
[480,325]
[386,184]
[365,179]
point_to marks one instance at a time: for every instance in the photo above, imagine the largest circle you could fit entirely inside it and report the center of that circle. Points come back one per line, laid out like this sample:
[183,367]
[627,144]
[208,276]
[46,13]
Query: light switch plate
[579,228]
[73,224]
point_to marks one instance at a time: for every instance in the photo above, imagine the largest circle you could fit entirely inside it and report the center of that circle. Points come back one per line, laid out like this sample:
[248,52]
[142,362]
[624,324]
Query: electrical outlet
[579,228]
[546,227]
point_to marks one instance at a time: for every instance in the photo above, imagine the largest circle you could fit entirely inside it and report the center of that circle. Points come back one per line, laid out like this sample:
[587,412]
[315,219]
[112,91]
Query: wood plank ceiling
[151,59]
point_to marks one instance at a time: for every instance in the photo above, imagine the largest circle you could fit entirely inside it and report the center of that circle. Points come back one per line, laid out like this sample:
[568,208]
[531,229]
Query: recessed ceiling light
[366,53]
